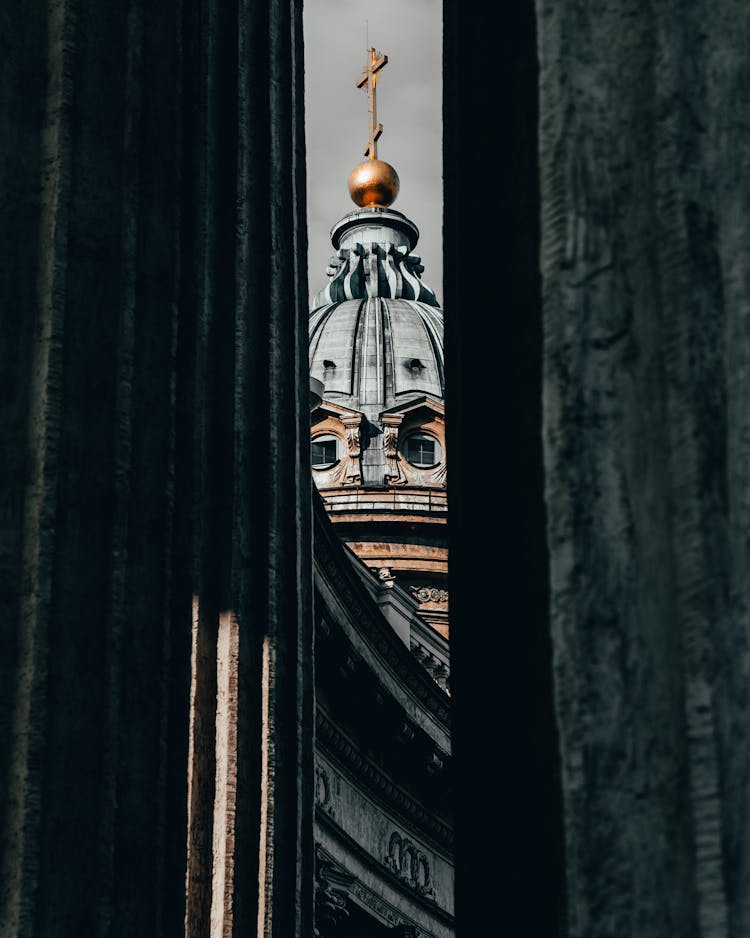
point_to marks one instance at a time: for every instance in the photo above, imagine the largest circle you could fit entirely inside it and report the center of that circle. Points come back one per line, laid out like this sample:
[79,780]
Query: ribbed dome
[378,449]
[376,330]
[373,353]
[378,444]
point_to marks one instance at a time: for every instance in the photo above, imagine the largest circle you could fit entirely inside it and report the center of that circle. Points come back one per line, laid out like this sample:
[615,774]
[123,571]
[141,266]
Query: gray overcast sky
[409,105]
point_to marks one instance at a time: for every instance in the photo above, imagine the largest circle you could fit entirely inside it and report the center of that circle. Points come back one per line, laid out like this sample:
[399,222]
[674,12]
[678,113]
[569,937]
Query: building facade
[383,812]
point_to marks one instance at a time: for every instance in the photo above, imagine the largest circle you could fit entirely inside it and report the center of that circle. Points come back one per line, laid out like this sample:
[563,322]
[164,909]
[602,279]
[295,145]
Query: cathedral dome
[378,436]
[376,331]
[374,352]
[378,443]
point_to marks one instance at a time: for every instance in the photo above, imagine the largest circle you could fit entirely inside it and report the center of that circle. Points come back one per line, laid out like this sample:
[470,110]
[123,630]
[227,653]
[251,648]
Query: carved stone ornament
[324,791]
[372,269]
[386,576]
[437,669]
[409,863]
[347,470]
[430,594]
[353,449]
[352,441]
[377,782]
[390,442]
[393,473]
[332,889]
[375,904]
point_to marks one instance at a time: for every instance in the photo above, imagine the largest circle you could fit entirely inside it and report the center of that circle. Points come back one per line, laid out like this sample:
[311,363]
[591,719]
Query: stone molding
[353,449]
[438,670]
[393,473]
[428,594]
[324,792]
[369,621]
[334,887]
[380,785]
[409,863]
[375,270]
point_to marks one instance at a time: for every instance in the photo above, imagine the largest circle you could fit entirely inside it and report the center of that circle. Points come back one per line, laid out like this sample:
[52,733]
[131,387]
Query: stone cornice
[425,402]
[380,786]
[374,216]
[425,504]
[364,620]
[325,862]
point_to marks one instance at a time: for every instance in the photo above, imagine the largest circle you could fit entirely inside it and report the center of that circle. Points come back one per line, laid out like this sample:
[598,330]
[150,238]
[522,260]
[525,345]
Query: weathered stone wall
[154,412]
[644,162]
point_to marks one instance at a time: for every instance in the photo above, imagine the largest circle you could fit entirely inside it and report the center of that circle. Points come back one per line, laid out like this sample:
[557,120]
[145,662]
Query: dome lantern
[376,344]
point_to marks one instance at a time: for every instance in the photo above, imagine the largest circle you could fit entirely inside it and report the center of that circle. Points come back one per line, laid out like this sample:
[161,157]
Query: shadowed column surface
[645,222]
[156,424]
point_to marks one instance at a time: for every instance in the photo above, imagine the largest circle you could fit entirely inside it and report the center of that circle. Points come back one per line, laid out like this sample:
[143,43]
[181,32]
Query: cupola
[378,448]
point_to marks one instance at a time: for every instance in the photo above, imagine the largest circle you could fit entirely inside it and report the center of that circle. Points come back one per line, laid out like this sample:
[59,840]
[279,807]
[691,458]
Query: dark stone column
[508,821]
[645,225]
[154,405]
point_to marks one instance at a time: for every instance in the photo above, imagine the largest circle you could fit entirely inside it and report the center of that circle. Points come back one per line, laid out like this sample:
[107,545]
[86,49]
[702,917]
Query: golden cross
[375,61]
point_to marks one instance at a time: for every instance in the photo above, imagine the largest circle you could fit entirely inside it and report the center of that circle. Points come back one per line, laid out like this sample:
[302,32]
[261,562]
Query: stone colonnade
[596,231]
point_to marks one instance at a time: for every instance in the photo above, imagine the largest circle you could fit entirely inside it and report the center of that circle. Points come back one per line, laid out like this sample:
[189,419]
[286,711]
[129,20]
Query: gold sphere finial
[373,182]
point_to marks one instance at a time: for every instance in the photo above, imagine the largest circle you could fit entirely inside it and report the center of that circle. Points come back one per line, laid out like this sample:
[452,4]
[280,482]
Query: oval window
[324,451]
[421,450]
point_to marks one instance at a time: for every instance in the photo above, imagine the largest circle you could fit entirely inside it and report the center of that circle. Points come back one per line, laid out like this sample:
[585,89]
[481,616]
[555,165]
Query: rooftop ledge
[404,499]
[343,233]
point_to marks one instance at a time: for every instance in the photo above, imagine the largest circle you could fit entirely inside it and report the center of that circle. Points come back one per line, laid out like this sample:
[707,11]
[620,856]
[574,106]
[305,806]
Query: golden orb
[373,182]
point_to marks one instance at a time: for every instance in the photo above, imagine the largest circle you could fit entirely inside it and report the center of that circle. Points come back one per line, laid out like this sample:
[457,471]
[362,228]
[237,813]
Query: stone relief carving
[441,675]
[440,475]
[352,442]
[325,789]
[393,472]
[375,270]
[385,575]
[415,476]
[336,475]
[410,864]
[332,888]
[353,449]
[437,669]
[401,928]
[348,470]
[430,594]
[374,903]
[371,775]
[390,441]
[322,787]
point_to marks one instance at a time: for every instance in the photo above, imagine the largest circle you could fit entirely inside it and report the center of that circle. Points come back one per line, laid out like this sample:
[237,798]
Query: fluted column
[155,419]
